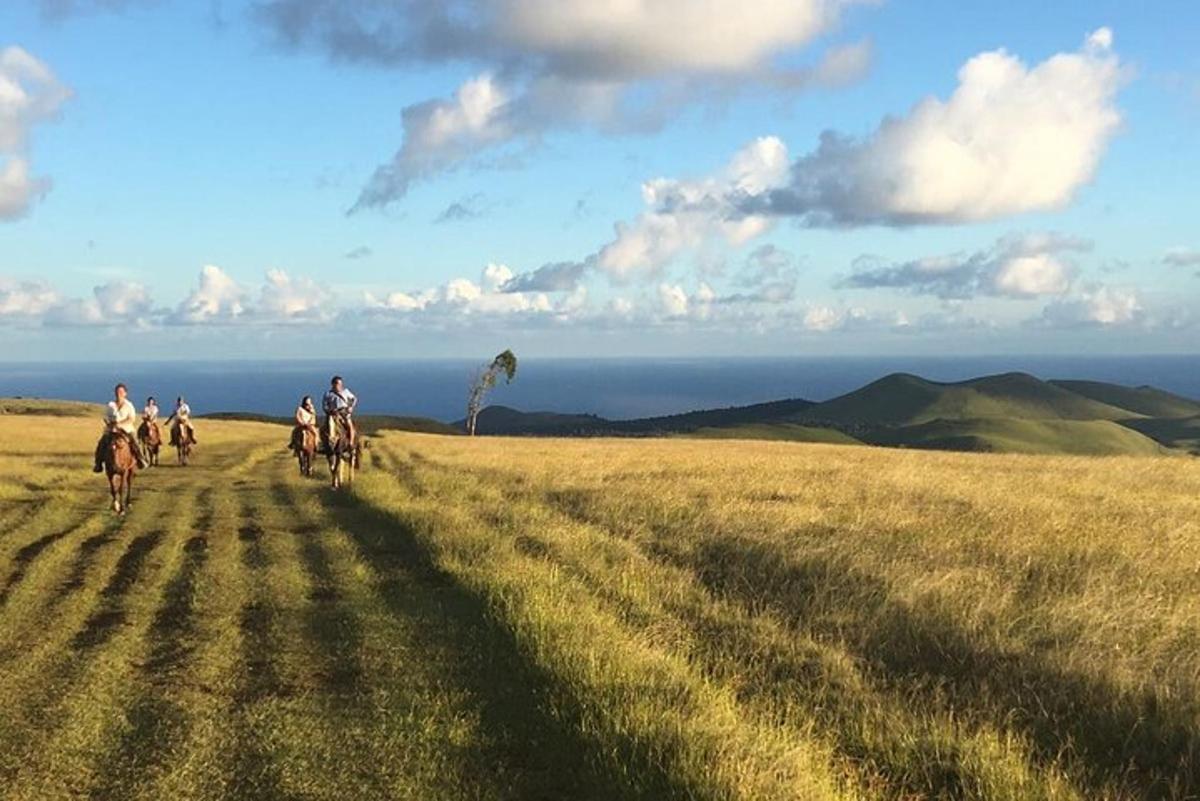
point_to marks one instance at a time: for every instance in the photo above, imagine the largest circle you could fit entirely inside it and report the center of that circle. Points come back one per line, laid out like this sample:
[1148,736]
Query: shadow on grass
[1117,738]
[329,621]
[540,753]
[101,624]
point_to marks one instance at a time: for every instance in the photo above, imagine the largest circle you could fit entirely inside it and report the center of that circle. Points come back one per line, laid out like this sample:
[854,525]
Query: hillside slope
[1015,435]
[1145,401]
[902,399]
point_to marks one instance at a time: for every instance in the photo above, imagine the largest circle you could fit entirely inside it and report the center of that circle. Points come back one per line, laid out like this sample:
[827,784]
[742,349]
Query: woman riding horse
[305,435]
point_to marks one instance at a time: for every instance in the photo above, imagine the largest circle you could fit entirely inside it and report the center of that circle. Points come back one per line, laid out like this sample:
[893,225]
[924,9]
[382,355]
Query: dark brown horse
[150,438]
[119,466]
[304,443]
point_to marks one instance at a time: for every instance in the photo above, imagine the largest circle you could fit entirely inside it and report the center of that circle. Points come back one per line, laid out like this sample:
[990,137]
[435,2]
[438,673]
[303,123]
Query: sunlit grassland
[537,618]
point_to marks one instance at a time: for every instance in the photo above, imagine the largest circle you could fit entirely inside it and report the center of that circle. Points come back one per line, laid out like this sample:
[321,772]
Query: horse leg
[128,481]
[114,489]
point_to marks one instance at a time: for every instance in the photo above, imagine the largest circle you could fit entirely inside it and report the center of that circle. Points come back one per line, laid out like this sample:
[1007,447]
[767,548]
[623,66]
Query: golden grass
[535,618]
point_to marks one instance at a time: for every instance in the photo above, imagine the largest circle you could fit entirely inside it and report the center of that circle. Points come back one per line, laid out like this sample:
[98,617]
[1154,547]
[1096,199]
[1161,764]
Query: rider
[338,402]
[150,412]
[120,418]
[306,420]
[181,417]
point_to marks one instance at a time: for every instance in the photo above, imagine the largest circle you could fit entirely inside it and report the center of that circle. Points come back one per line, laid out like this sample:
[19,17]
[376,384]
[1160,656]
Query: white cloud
[1100,305]
[684,215]
[284,298]
[218,298]
[440,134]
[673,300]
[25,299]
[30,94]
[1016,266]
[1010,139]
[495,276]
[640,39]
[1031,276]
[552,64]
[115,303]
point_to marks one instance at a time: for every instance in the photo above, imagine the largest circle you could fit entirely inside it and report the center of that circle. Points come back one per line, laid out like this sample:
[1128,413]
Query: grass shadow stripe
[536,733]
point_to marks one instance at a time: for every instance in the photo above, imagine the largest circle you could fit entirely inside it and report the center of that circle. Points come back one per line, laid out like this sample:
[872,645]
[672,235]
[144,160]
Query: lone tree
[483,382]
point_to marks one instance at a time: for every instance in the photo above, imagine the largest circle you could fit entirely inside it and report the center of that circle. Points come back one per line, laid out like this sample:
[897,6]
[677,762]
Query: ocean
[613,388]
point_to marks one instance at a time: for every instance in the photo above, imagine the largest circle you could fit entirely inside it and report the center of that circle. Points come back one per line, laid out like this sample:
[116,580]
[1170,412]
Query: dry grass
[598,619]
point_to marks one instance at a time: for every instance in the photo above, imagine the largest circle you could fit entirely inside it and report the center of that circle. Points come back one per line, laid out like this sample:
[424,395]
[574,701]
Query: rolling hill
[902,399]
[1146,401]
[1017,435]
[1010,412]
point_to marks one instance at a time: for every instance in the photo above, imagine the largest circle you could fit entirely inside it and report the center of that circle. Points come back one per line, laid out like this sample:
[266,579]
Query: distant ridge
[1008,413]
[1147,401]
[903,399]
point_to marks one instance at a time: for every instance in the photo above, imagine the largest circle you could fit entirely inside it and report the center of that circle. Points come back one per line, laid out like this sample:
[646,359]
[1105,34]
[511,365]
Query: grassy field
[597,619]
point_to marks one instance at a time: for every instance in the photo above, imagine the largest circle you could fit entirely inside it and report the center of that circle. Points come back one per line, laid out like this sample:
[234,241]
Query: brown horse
[343,457]
[304,443]
[150,438]
[119,466]
[181,438]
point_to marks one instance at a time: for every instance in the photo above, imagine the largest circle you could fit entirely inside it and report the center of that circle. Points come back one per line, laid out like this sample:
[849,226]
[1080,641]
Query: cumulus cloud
[217,298]
[1096,306]
[25,299]
[287,299]
[1010,139]
[549,64]
[30,94]
[115,303]
[1016,266]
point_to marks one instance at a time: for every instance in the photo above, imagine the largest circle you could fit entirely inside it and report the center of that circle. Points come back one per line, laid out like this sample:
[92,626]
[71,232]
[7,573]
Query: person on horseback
[120,419]
[306,421]
[182,420]
[150,412]
[338,404]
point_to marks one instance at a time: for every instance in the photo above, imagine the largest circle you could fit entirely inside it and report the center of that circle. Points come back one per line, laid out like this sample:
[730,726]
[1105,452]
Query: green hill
[1013,435]
[1010,412]
[789,432]
[903,399]
[49,407]
[1146,401]
[1174,432]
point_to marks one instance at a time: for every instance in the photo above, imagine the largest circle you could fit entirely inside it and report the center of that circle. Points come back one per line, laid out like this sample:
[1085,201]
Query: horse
[119,466]
[181,438]
[304,443]
[150,438]
[341,455]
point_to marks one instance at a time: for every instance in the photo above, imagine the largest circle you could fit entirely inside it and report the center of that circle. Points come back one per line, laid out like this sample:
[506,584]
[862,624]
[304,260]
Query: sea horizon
[612,387]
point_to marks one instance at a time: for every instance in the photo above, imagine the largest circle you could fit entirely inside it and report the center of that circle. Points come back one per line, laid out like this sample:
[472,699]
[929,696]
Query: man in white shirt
[339,402]
[182,417]
[120,418]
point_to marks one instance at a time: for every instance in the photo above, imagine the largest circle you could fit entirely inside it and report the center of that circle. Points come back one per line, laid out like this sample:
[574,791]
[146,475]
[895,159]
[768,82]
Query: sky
[408,178]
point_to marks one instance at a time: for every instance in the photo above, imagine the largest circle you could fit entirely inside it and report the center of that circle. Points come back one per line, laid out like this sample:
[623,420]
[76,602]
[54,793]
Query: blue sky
[203,161]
